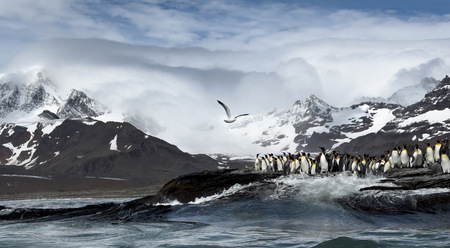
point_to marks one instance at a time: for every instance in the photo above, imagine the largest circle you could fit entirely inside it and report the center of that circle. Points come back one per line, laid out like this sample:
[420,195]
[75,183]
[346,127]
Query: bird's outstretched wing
[241,115]
[227,110]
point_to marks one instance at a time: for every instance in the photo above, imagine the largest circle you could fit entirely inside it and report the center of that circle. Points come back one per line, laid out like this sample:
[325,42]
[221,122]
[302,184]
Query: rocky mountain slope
[86,147]
[367,127]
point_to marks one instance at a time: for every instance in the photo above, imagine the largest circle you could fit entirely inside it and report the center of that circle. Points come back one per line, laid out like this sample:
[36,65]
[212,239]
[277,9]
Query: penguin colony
[398,157]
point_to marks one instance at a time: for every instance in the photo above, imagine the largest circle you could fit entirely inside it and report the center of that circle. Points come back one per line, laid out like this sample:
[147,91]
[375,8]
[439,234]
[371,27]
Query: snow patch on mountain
[113,144]
[23,154]
[434,116]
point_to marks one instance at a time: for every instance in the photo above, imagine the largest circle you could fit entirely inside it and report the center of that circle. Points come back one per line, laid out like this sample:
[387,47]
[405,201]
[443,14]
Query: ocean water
[293,211]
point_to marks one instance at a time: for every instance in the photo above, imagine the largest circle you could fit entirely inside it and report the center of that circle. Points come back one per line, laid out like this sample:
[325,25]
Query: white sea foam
[169,203]
[205,199]
[227,192]
[322,188]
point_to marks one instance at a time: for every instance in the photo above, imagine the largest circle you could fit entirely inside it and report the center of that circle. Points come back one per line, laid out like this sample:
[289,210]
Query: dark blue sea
[296,211]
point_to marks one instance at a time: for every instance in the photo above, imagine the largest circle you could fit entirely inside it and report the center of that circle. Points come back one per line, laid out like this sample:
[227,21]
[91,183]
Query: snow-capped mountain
[287,129]
[407,95]
[313,123]
[25,97]
[30,99]
[419,123]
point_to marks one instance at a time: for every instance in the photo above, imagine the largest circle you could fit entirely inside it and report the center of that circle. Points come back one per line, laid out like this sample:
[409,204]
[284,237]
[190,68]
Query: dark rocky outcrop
[401,198]
[413,178]
[46,114]
[187,188]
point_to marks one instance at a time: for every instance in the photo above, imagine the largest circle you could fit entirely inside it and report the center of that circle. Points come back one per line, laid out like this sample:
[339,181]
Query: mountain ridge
[350,128]
[87,147]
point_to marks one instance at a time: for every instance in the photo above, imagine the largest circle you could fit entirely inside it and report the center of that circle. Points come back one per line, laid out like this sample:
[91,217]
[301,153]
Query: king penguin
[264,164]
[417,157]
[429,155]
[387,166]
[304,163]
[395,157]
[323,163]
[313,167]
[445,162]
[257,163]
[437,151]
[404,157]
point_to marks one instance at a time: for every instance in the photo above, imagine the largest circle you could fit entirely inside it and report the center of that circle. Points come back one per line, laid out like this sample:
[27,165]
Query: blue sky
[403,8]
[191,23]
[175,56]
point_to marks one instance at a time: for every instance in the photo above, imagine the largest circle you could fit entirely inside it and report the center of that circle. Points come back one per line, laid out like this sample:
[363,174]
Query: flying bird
[227,110]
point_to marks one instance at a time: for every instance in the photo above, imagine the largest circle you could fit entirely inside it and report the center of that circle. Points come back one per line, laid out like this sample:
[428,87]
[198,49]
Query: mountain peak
[312,106]
[445,83]
[79,105]
[77,95]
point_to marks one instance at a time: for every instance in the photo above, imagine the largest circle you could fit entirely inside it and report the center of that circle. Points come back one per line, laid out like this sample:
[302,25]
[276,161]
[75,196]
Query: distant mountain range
[367,127]
[66,138]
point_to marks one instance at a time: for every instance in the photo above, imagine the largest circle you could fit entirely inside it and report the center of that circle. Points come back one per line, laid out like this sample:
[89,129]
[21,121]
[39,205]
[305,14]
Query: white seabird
[230,117]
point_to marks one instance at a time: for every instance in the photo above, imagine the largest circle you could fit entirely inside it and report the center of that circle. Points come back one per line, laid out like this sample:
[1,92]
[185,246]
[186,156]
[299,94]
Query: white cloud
[171,60]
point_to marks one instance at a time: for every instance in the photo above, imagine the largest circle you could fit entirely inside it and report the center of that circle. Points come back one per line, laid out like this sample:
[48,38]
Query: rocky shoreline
[401,198]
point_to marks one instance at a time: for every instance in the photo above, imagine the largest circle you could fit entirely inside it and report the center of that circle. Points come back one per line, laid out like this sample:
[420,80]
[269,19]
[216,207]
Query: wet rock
[398,203]
[187,188]
[402,198]
[413,178]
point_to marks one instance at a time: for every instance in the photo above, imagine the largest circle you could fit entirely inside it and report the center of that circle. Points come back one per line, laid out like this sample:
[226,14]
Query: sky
[167,62]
